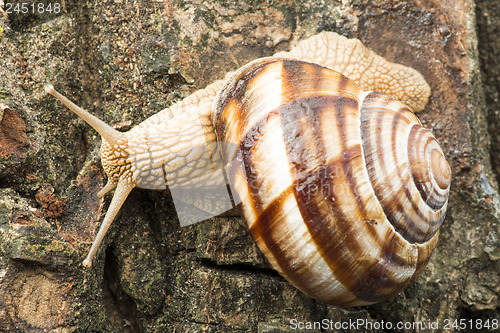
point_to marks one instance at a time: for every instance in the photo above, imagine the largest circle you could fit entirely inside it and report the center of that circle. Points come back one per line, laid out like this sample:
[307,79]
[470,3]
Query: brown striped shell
[343,190]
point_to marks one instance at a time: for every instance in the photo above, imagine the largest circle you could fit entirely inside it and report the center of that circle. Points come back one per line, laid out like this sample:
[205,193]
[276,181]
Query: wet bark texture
[125,60]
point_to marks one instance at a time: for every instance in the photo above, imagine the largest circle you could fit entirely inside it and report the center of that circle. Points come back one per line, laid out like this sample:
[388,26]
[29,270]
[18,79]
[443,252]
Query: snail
[342,188]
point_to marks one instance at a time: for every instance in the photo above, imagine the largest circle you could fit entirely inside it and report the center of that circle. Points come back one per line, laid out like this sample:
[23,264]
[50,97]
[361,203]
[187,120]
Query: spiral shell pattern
[343,190]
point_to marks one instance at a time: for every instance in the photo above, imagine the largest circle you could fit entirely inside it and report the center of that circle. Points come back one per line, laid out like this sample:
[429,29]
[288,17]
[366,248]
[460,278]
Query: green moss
[35,242]
[4,213]
[5,95]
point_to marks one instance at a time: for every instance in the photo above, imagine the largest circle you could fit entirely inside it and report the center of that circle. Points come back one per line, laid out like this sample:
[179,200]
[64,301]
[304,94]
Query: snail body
[343,190]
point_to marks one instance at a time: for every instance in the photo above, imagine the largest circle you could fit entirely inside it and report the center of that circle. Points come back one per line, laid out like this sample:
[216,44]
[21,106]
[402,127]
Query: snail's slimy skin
[342,189]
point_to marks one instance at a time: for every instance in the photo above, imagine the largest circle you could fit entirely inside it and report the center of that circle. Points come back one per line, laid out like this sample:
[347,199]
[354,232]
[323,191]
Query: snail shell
[343,190]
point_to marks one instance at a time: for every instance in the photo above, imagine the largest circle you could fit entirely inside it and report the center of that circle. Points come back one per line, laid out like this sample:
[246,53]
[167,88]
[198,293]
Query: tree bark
[126,60]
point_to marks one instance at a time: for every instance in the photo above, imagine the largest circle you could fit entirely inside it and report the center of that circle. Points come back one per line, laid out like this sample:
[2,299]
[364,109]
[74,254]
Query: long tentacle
[122,191]
[107,132]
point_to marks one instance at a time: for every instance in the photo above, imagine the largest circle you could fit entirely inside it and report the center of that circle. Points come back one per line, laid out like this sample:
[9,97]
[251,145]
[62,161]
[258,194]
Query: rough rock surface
[125,60]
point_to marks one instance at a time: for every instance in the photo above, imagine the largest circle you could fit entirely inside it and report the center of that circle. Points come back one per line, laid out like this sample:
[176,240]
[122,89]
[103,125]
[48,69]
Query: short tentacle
[111,184]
